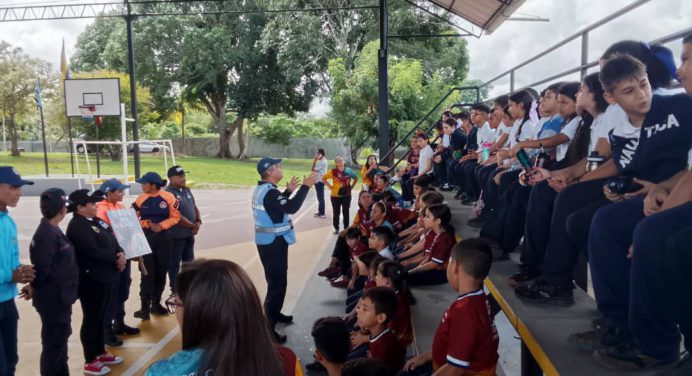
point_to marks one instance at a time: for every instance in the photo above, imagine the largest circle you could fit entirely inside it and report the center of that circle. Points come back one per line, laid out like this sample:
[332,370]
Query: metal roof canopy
[486,14]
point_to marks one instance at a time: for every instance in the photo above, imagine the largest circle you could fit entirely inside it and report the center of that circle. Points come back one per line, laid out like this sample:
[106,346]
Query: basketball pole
[98,151]
[69,136]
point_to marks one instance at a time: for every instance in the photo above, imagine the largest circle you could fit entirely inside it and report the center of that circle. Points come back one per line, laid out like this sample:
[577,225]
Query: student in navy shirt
[660,159]
[458,143]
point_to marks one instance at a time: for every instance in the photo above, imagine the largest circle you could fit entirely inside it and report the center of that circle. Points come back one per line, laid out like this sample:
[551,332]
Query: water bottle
[542,159]
[485,151]
[594,160]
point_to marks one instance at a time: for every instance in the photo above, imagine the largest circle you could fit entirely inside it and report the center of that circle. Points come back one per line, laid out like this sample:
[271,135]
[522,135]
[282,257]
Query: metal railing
[426,117]
[583,34]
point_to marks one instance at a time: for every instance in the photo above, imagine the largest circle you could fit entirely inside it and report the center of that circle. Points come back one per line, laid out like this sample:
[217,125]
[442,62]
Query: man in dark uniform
[55,285]
[274,233]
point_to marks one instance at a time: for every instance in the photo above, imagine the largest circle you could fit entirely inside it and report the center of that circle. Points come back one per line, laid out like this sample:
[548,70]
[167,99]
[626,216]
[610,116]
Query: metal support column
[511,82]
[584,52]
[133,89]
[382,82]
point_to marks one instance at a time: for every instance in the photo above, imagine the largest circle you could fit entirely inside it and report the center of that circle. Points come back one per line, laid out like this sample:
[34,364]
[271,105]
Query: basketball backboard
[101,93]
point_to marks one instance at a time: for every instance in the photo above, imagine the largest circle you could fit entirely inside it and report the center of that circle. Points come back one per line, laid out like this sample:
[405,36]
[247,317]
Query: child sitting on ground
[438,247]
[332,344]
[393,275]
[466,337]
[375,310]
[380,239]
[415,243]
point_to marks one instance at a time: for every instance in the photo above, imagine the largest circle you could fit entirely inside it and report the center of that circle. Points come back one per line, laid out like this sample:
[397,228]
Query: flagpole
[43,124]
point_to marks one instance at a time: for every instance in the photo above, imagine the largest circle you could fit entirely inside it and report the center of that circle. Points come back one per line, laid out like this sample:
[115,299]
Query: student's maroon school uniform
[388,350]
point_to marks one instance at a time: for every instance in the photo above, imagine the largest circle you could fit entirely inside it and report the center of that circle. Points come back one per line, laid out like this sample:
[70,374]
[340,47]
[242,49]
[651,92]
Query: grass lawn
[205,172]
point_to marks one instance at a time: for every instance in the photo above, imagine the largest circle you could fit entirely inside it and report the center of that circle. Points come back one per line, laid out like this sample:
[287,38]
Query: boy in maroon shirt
[466,340]
[375,310]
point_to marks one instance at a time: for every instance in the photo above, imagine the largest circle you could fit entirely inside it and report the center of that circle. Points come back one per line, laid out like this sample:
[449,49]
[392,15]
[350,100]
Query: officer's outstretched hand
[310,180]
[292,185]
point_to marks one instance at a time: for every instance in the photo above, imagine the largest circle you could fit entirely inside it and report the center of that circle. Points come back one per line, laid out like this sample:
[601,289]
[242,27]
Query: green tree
[18,78]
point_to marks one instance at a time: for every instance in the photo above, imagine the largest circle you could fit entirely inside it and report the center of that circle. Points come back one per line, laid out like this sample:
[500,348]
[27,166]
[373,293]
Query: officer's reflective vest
[266,230]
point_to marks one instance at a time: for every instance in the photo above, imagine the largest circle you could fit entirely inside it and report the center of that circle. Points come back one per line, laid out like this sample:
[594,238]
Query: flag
[63,63]
[37,95]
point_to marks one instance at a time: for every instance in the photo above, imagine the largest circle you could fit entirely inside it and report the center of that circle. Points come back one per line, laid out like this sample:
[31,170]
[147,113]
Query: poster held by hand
[129,233]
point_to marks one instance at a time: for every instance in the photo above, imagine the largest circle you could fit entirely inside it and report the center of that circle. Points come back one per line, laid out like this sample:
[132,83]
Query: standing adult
[11,272]
[343,180]
[99,258]
[184,232]
[54,290]
[114,192]
[274,233]
[158,213]
[319,167]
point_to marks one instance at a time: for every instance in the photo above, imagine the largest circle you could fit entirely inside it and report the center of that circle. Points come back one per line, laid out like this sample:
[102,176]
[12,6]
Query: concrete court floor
[226,233]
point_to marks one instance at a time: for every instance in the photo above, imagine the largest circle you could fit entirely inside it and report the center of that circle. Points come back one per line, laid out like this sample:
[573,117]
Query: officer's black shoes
[279,338]
[121,329]
[540,292]
[284,319]
[158,309]
[112,341]
[143,313]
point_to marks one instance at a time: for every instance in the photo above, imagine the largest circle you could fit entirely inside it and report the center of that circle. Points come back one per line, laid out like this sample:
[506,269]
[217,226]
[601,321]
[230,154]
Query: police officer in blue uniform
[274,233]
[55,285]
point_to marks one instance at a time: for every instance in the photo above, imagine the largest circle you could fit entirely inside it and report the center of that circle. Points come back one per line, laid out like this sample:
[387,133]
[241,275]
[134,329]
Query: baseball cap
[266,162]
[53,199]
[82,197]
[8,175]
[175,171]
[112,185]
[151,177]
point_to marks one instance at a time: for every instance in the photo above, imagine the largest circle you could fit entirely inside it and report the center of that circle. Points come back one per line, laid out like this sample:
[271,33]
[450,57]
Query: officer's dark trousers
[319,191]
[55,331]
[632,293]
[93,296]
[274,259]
[183,250]
[340,205]
[8,337]
[157,264]
[120,292]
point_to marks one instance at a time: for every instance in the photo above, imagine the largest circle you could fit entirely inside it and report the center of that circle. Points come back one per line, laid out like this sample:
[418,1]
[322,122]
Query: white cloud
[516,41]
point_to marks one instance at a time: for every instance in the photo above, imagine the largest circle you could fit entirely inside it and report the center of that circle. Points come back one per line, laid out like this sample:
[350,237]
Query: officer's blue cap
[112,185]
[8,175]
[266,162]
[151,177]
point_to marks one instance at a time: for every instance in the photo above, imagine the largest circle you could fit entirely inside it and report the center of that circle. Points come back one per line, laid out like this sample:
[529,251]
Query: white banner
[128,232]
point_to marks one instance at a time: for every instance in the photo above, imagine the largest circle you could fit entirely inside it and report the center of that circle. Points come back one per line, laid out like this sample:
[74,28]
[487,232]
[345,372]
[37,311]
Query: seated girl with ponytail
[438,248]
[393,275]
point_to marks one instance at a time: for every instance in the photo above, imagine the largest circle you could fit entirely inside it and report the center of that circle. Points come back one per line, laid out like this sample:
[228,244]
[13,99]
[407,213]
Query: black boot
[157,308]
[111,340]
[143,313]
[120,328]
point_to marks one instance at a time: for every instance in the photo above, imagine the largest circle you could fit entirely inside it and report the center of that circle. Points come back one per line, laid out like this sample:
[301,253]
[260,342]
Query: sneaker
[468,201]
[109,359]
[322,216]
[316,215]
[540,292]
[681,368]
[96,368]
[446,188]
[341,283]
[626,357]
[595,339]
[330,270]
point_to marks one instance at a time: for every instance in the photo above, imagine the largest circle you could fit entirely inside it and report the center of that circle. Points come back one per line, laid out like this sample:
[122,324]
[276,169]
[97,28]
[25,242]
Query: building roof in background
[486,14]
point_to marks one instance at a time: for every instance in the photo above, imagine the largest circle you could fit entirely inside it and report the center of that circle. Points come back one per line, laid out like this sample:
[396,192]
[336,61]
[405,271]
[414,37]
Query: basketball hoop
[87,112]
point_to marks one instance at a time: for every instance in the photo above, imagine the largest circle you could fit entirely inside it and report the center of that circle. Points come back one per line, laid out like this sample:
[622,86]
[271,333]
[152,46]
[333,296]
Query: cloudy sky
[490,55]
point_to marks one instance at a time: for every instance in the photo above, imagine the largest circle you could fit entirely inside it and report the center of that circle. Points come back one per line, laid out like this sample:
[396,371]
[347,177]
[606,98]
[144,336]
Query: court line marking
[153,351]
[144,359]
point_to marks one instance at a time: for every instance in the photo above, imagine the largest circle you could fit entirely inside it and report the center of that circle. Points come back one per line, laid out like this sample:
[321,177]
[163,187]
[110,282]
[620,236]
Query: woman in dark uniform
[55,285]
[99,258]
